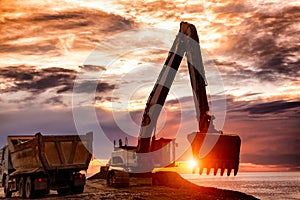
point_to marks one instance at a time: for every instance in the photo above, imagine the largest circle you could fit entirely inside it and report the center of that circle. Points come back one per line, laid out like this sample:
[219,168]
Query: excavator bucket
[214,151]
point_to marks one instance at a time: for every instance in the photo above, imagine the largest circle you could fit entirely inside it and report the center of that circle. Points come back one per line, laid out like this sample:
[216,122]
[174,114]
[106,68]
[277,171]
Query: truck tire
[28,188]
[64,191]
[41,193]
[7,193]
[77,189]
[22,188]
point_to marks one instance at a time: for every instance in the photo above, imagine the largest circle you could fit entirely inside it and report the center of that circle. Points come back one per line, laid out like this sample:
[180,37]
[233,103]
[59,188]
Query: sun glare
[192,164]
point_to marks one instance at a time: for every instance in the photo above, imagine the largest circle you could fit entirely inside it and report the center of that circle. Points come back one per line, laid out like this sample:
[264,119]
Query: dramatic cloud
[39,80]
[36,81]
[56,34]
[272,107]
[269,41]
[92,68]
[88,87]
[52,33]
[56,100]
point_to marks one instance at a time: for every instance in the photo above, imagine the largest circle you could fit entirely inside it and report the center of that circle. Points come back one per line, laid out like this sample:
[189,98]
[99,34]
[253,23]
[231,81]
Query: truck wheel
[41,193]
[63,191]
[28,188]
[78,189]
[6,191]
[22,187]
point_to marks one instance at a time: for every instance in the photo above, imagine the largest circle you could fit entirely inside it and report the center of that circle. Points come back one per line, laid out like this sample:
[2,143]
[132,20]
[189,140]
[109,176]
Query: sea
[262,185]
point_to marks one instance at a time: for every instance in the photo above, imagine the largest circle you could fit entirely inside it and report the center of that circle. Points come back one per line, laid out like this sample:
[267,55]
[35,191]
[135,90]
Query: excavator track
[216,151]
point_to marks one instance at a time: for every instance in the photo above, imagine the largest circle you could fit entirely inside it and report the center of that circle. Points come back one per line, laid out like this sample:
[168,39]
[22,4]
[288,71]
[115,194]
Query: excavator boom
[226,148]
[186,41]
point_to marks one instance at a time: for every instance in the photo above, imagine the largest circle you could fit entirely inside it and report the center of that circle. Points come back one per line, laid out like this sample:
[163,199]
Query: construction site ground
[173,188]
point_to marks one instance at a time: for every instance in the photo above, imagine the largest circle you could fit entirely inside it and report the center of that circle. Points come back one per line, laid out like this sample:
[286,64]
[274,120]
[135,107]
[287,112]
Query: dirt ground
[142,189]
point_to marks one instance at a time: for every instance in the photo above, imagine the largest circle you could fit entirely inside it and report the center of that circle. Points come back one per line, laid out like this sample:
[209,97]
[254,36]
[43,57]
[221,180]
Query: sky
[70,67]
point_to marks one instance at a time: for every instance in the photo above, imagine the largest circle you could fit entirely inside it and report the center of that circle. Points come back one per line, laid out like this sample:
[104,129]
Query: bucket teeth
[208,171]
[228,171]
[200,171]
[236,169]
[216,168]
[215,171]
[227,166]
[222,171]
[194,170]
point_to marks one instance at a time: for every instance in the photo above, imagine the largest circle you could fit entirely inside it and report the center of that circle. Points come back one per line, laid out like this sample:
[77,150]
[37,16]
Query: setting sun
[192,163]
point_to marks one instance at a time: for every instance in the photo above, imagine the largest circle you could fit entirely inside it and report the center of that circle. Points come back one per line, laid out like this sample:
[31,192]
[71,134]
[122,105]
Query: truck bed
[36,153]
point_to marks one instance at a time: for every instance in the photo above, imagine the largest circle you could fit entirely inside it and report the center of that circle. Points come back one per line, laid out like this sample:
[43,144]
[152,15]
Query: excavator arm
[186,42]
[221,151]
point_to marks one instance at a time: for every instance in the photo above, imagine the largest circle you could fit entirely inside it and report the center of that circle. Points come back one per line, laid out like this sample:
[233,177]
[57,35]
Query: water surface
[263,185]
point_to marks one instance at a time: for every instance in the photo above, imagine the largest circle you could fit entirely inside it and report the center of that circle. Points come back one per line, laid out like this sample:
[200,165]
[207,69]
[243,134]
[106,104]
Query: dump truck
[150,152]
[34,165]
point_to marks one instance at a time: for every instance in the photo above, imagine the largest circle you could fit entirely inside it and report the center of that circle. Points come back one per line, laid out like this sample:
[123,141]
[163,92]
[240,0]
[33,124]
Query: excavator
[211,148]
